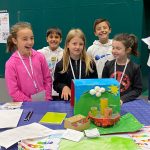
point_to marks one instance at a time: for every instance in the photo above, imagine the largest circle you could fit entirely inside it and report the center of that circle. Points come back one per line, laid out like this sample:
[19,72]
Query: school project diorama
[99,99]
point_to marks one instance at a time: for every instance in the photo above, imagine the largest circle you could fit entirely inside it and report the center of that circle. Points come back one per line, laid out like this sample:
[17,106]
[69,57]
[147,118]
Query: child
[148,63]
[147,41]
[101,50]
[76,64]
[53,53]
[123,69]
[26,72]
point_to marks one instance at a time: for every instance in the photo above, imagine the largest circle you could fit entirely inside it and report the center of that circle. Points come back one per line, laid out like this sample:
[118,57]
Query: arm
[105,72]
[47,79]
[58,83]
[94,73]
[136,87]
[12,84]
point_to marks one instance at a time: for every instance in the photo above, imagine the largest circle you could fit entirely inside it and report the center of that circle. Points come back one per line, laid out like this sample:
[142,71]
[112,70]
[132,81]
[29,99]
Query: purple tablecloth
[139,108]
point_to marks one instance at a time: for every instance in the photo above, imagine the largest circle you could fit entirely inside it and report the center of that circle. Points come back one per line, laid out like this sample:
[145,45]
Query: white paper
[92,133]
[10,118]
[147,41]
[11,105]
[50,142]
[4,27]
[73,135]
[12,136]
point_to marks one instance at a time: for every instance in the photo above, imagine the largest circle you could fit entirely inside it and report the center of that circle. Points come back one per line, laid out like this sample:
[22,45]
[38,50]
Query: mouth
[27,47]
[103,33]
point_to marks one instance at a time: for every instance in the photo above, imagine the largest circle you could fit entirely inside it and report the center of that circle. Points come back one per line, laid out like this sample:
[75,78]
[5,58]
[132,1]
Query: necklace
[122,72]
[73,70]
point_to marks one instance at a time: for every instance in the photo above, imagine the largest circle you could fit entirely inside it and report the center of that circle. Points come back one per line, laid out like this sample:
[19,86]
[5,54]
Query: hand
[66,93]
[121,102]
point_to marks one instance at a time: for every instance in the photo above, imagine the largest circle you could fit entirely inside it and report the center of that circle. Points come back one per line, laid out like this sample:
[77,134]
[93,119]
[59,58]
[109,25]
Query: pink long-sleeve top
[20,85]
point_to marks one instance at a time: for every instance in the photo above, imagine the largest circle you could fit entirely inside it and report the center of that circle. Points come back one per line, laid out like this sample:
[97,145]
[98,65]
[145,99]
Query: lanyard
[73,70]
[31,76]
[56,55]
[123,71]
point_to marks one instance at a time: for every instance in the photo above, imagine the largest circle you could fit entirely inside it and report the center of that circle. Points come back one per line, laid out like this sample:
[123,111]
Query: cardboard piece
[78,122]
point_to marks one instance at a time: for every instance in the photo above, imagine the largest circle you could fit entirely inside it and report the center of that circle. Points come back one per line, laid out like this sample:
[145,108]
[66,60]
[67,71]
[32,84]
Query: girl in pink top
[26,72]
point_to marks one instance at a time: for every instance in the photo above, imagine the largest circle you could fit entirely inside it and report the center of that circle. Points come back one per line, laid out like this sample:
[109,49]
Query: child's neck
[27,54]
[53,49]
[103,41]
[122,61]
[75,57]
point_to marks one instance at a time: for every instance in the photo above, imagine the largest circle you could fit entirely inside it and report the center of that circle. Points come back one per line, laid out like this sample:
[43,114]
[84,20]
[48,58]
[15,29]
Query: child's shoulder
[110,62]
[37,54]
[134,65]
[44,49]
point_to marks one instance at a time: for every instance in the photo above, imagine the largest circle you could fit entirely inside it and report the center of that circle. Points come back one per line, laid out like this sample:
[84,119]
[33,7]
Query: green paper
[127,123]
[103,143]
[53,118]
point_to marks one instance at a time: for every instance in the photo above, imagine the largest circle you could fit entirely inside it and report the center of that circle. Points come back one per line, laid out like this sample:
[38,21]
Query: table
[139,108]
[40,108]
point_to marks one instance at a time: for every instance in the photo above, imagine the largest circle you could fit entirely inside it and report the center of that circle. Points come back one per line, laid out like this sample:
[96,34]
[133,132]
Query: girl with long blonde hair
[75,64]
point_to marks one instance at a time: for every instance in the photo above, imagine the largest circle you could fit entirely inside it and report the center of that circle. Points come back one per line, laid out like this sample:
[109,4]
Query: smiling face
[119,51]
[102,30]
[75,46]
[24,41]
[53,40]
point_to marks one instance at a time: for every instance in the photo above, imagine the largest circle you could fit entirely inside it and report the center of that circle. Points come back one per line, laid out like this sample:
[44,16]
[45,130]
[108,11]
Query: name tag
[40,96]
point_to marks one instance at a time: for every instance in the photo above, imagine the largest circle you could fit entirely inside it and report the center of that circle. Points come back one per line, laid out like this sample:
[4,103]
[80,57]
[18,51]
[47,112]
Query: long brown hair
[129,41]
[84,57]
[11,47]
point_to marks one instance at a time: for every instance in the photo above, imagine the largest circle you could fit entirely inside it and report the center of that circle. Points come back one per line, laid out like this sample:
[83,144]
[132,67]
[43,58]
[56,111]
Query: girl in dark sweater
[123,69]
[75,64]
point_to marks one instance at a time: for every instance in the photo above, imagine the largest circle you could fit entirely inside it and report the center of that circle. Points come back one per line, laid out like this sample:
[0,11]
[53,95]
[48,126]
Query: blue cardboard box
[87,93]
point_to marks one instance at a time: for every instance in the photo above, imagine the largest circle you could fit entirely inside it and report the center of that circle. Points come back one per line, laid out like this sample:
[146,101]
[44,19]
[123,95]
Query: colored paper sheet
[127,123]
[104,143]
[53,118]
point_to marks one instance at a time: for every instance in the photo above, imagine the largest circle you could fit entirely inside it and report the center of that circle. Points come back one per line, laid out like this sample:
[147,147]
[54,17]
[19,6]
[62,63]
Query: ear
[60,40]
[95,33]
[110,30]
[47,39]
[14,41]
[128,50]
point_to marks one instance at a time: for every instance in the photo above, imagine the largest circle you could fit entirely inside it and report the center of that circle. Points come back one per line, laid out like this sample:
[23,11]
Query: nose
[77,46]
[30,41]
[102,29]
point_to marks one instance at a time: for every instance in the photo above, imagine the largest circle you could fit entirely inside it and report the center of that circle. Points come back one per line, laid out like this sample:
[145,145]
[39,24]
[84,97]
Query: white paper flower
[98,94]
[92,92]
[102,90]
[97,88]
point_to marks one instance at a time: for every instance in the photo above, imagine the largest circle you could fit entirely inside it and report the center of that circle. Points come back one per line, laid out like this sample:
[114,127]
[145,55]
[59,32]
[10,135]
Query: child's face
[24,41]
[119,50]
[75,46]
[53,40]
[102,30]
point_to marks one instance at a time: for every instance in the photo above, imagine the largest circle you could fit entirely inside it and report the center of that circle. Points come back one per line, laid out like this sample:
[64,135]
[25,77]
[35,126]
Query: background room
[125,16]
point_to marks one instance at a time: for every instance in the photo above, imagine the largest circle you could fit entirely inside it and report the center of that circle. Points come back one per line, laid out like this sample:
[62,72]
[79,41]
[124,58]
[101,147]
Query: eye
[32,38]
[81,44]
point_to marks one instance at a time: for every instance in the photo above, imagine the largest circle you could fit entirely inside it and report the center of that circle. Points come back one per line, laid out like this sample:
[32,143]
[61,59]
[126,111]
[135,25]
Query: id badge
[40,96]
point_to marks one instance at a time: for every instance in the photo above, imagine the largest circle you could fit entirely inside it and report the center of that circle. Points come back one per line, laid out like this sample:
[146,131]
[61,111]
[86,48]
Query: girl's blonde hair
[84,57]
[11,47]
